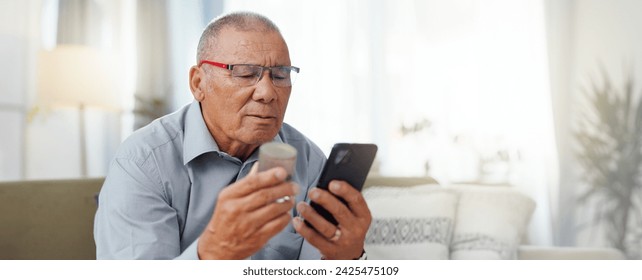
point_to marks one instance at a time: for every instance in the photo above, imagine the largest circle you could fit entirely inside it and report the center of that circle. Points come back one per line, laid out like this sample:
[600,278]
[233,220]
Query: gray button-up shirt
[163,183]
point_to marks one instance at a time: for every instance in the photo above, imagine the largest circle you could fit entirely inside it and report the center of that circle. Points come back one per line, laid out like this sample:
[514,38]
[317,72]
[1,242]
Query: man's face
[242,115]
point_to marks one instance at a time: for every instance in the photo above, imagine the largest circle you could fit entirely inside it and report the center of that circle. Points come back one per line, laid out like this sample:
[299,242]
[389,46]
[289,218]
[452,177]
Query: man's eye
[245,76]
[282,74]
[243,72]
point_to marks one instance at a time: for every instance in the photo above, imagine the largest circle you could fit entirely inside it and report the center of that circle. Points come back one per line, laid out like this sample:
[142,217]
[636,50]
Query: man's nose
[265,73]
[264,91]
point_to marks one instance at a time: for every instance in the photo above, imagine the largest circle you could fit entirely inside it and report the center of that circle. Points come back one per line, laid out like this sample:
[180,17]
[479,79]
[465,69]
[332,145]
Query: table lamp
[79,76]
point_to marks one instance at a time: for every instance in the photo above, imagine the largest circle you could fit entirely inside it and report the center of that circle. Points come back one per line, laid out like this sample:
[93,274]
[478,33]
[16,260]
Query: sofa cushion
[490,223]
[410,222]
[526,252]
[49,219]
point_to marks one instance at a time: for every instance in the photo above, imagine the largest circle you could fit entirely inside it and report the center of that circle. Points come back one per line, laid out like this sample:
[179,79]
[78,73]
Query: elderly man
[186,186]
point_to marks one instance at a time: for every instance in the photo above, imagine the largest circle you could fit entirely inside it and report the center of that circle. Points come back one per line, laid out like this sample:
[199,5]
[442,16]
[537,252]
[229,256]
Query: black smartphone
[348,162]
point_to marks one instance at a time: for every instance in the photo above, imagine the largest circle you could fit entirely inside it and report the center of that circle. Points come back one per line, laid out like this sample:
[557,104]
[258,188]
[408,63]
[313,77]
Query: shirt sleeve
[123,229]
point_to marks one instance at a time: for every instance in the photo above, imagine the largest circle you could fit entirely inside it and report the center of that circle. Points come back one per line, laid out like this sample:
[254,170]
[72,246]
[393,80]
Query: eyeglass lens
[248,75]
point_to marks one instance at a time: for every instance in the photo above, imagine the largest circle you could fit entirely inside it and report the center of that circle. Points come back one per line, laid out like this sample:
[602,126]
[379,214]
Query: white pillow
[491,222]
[410,222]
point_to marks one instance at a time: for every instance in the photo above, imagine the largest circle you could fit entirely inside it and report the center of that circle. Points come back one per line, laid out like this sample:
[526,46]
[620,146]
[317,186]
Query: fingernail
[280,174]
[297,221]
[334,186]
[314,194]
[300,207]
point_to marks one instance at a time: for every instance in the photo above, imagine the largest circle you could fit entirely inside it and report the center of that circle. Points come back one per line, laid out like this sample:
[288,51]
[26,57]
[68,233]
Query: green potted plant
[609,138]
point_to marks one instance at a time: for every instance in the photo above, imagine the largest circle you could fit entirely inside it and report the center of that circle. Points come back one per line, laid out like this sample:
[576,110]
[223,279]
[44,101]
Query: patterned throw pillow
[491,222]
[410,222]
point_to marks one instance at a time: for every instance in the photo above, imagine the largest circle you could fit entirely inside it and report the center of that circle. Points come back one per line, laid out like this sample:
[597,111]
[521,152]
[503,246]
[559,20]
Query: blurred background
[538,95]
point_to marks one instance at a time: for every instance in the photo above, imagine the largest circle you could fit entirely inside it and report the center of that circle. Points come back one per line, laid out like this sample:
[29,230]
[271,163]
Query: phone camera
[343,157]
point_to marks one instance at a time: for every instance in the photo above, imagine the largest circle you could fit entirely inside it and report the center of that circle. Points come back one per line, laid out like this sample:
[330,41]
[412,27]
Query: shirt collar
[198,140]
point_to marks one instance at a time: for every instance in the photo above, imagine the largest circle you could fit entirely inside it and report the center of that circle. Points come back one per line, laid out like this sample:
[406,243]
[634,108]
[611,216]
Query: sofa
[49,219]
[53,219]
[417,218]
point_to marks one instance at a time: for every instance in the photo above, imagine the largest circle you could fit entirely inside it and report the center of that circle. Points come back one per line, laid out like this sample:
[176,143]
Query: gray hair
[242,21]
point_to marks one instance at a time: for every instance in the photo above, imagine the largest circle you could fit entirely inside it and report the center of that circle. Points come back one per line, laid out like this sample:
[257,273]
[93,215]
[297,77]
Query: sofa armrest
[526,252]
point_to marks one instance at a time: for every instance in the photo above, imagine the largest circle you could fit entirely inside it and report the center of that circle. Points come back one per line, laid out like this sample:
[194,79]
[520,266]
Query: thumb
[254,169]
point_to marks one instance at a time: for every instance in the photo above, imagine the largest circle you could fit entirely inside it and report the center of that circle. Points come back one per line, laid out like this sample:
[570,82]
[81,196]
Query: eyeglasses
[249,74]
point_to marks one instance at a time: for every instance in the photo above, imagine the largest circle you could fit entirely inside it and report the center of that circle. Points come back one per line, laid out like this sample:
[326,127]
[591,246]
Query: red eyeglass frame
[230,66]
[217,64]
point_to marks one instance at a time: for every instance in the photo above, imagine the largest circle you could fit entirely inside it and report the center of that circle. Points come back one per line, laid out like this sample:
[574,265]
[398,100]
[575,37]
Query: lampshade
[71,75]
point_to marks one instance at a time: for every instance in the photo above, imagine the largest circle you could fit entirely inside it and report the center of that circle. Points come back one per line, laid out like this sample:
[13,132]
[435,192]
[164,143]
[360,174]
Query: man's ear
[195,80]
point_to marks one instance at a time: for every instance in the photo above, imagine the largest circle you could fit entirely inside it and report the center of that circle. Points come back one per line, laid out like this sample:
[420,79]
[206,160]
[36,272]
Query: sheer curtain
[16,47]
[330,41]
[153,62]
[589,39]
[52,133]
[167,36]
[457,90]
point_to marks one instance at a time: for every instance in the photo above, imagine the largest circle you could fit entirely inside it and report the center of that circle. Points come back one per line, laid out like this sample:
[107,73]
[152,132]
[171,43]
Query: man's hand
[248,213]
[346,240]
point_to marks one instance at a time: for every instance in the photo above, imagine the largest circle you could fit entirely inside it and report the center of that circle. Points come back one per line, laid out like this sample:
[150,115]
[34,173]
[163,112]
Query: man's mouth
[265,117]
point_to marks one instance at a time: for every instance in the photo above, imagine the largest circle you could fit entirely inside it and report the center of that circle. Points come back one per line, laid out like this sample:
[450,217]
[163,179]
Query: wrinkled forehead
[260,46]
[251,44]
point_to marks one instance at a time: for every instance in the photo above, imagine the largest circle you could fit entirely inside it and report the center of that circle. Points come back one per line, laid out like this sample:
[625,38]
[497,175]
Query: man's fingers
[352,196]
[256,181]
[329,202]
[319,223]
[274,226]
[343,245]
[313,237]
[269,212]
[262,197]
